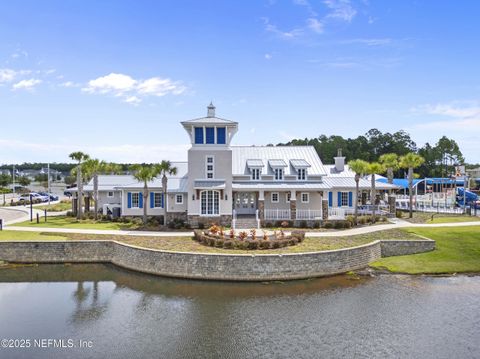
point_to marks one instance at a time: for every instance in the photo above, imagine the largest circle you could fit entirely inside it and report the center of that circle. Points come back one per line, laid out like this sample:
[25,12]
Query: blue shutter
[221,138]
[161,201]
[339,198]
[199,135]
[350,199]
[330,199]
[129,200]
[140,200]
[152,199]
[210,135]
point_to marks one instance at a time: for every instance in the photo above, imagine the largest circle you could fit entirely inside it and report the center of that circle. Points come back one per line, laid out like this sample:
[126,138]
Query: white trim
[138,200]
[278,197]
[300,170]
[288,196]
[207,171]
[280,171]
[178,195]
[155,200]
[308,197]
[341,199]
[108,194]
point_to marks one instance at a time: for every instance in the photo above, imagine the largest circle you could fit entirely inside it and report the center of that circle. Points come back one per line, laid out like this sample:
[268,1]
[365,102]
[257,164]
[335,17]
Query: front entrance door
[245,202]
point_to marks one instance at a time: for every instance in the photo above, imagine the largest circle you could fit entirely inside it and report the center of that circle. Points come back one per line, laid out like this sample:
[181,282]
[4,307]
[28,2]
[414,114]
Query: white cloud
[292,34]
[7,75]
[369,42]
[160,87]
[26,84]
[117,83]
[315,25]
[268,56]
[133,100]
[130,89]
[69,84]
[459,120]
[340,9]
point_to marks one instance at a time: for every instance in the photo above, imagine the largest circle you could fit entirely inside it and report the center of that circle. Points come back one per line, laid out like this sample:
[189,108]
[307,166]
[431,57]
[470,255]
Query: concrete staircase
[246,222]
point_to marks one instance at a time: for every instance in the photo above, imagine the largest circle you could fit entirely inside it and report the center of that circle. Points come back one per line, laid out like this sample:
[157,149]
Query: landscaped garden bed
[216,237]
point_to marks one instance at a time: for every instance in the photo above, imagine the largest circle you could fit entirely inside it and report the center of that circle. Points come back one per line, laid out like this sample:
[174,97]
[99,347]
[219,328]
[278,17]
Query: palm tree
[372,169]
[411,161]
[145,174]
[165,168]
[390,163]
[360,168]
[80,157]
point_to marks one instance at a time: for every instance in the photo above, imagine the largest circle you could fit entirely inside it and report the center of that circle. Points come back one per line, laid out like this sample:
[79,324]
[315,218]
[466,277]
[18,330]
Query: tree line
[440,158]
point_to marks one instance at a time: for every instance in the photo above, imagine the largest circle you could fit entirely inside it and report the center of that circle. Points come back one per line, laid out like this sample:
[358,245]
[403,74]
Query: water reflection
[131,315]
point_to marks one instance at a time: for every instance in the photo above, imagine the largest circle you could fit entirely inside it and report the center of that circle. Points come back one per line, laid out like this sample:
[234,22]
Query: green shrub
[201,225]
[316,224]
[398,214]
[69,214]
[228,244]
[328,224]
[303,224]
[339,224]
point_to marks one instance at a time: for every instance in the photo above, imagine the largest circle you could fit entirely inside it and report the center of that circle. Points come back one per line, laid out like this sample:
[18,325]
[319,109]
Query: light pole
[13,180]
[48,182]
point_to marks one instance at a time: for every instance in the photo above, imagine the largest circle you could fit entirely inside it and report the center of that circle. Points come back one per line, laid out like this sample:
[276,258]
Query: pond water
[122,314]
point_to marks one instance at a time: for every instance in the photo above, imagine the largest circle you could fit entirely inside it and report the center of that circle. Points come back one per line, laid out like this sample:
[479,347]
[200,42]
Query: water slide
[470,197]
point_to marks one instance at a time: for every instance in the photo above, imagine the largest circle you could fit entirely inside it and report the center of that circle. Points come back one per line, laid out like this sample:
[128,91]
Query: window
[344,199]
[305,197]
[302,174]
[210,169]
[179,199]
[288,196]
[158,200]
[210,202]
[256,174]
[210,135]
[135,199]
[221,138]
[278,172]
[110,194]
[199,135]
[274,197]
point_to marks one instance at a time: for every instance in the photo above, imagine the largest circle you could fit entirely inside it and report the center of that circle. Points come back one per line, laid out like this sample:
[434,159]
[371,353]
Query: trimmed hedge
[248,244]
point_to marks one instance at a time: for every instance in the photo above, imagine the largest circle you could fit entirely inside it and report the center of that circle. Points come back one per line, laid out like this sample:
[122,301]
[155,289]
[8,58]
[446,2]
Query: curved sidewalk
[347,232]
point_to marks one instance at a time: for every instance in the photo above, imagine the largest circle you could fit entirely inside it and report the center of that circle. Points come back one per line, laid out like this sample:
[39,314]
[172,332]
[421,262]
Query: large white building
[221,182]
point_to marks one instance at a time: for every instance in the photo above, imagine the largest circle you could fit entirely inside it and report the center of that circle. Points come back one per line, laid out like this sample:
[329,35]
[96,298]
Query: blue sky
[115,78]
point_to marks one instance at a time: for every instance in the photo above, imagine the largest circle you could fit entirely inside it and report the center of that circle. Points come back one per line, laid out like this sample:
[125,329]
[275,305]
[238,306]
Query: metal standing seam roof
[240,155]
[299,163]
[349,182]
[212,120]
[255,163]
[210,184]
[279,186]
[277,163]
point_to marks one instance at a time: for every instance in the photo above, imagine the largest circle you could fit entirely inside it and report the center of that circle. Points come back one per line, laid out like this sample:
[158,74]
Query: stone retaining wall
[235,267]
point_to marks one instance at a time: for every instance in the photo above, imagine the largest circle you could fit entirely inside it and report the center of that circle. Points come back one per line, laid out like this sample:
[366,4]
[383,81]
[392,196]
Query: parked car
[67,193]
[51,195]
[34,195]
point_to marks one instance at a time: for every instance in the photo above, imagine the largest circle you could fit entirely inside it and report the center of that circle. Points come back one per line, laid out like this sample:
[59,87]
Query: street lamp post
[48,182]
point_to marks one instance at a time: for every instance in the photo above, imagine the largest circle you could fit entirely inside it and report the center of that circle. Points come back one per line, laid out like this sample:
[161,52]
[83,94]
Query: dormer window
[302,174]
[278,174]
[256,174]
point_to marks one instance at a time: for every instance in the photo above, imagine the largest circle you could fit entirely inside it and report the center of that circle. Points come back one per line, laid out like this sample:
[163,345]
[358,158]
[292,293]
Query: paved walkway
[397,223]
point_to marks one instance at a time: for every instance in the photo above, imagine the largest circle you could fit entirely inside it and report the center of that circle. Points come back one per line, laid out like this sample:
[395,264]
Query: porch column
[261,205]
[392,204]
[324,209]
[293,205]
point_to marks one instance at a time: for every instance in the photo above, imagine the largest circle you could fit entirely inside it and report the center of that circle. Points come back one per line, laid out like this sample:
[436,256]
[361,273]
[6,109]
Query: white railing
[277,214]
[234,219]
[257,218]
[309,214]
[336,213]
[437,207]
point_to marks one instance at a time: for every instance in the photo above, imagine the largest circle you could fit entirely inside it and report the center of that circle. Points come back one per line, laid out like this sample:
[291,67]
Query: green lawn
[428,218]
[30,236]
[187,244]
[457,251]
[70,222]
[57,207]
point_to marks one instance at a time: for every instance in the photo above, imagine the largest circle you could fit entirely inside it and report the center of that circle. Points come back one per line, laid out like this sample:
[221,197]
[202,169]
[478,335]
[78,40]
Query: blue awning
[401,182]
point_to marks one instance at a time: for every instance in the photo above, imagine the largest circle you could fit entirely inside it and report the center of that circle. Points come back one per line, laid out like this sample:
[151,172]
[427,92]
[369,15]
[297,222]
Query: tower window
[199,135]
[210,167]
[210,135]
[221,135]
